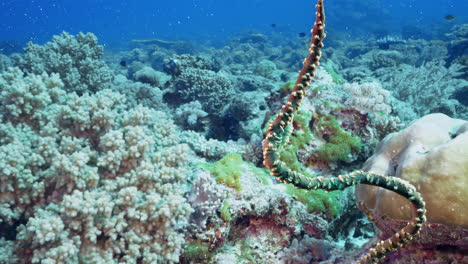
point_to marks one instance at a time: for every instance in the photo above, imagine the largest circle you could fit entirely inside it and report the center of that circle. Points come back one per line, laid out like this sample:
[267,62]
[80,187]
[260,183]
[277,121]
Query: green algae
[340,144]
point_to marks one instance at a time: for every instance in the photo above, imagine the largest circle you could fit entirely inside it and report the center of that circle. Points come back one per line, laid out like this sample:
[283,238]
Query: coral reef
[179,63]
[415,154]
[5,62]
[458,43]
[211,149]
[138,93]
[206,198]
[256,219]
[152,152]
[75,59]
[150,76]
[368,98]
[212,90]
[84,179]
[353,110]
[265,68]
[340,144]
[435,66]
[431,77]
[281,128]
[431,154]
[191,116]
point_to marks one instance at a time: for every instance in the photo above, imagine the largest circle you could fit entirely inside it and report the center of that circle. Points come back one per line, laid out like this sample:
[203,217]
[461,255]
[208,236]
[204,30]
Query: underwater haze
[117,21]
[223,132]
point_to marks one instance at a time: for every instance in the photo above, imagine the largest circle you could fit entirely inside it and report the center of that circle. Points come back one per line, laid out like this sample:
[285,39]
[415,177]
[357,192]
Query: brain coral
[432,155]
[84,179]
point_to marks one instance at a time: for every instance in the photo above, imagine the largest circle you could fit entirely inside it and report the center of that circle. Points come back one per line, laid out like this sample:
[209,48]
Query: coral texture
[75,59]
[5,62]
[84,179]
[439,84]
[280,129]
[254,218]
[214,91]
[138,93]
[431,154]
[150,76]
[368,97]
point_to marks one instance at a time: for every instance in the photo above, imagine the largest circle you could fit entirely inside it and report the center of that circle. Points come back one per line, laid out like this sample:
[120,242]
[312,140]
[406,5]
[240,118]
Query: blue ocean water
[116,21]
[151,152]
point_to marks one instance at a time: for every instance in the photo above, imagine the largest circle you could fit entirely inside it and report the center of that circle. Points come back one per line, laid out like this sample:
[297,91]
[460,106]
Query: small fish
[302,34]
[449,17]
[273,25]
[123,63]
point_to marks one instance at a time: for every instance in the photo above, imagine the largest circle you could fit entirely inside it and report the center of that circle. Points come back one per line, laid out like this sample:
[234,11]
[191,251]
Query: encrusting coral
[281,128]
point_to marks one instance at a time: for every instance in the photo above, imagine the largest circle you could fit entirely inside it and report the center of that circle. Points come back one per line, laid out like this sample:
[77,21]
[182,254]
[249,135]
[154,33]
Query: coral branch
[281,128]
